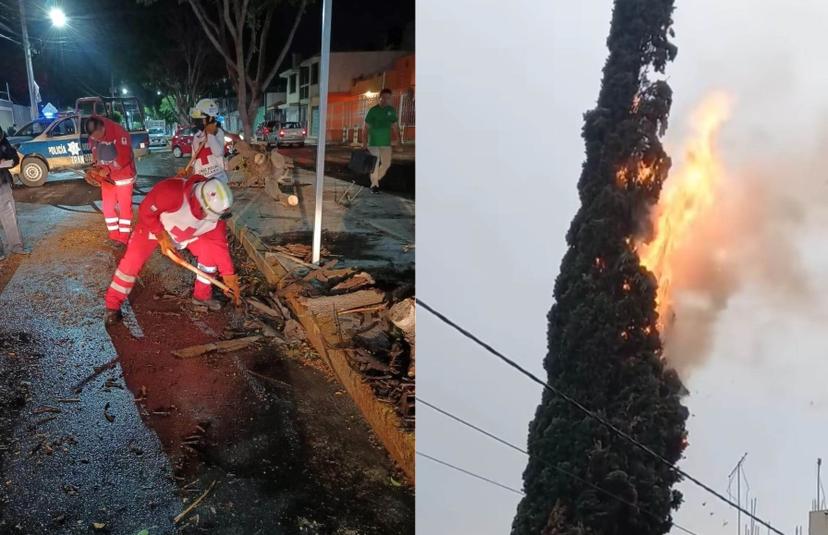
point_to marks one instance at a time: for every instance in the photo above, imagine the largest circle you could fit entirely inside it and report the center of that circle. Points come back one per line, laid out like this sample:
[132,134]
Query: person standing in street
[8,212]
[112,153]
[380,124]
[208,143]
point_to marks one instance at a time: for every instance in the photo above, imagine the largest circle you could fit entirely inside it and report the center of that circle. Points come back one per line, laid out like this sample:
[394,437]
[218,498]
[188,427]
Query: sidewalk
[345,305]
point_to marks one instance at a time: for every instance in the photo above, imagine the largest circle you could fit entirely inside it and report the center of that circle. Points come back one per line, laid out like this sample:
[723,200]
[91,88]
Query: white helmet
[204,108]
[215,197]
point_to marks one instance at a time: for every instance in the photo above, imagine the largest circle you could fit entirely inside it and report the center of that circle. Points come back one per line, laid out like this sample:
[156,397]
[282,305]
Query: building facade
[354,82]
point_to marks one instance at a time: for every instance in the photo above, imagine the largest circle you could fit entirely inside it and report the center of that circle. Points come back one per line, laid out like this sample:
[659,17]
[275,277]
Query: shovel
[261,307]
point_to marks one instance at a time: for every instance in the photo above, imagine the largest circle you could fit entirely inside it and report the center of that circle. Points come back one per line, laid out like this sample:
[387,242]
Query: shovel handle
[186,265]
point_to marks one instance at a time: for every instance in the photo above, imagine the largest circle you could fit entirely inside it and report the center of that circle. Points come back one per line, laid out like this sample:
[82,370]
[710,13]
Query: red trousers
[138,251]
[118,219]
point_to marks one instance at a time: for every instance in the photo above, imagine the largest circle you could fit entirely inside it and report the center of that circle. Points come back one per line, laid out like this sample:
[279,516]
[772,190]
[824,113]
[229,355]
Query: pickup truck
[64,144]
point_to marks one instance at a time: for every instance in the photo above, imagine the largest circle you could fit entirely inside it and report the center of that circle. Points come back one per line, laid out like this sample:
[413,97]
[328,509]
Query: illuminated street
[110,428]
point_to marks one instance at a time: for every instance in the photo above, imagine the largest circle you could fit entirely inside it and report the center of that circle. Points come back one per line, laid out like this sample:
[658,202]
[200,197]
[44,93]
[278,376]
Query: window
[32,129]
[291,125]
[65,127]
[304,75]
[315,73]
[292,88]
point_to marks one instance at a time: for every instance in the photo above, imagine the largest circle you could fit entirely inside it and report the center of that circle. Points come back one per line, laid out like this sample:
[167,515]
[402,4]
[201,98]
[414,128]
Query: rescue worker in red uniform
[112,152]
[179,213]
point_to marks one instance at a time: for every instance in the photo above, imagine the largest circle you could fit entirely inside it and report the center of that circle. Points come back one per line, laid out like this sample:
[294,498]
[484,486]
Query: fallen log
[224,346]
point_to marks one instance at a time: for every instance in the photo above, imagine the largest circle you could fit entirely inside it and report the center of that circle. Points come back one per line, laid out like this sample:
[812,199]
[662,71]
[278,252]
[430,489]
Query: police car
[64,145]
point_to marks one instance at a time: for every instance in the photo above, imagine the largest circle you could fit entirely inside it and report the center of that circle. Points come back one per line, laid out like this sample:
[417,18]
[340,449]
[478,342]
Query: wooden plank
[324,306]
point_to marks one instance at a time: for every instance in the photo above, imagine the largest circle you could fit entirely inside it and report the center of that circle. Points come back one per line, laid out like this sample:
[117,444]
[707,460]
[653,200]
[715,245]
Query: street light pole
[324,63]
[27,50]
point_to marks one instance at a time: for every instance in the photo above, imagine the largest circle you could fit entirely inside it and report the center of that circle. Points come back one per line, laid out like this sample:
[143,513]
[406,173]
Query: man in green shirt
[380,124]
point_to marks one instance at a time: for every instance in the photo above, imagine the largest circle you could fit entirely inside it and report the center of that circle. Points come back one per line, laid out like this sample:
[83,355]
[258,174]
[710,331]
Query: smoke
[746,241]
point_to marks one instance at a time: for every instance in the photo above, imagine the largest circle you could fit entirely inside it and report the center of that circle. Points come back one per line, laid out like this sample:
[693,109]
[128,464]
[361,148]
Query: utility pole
[323,125]
[27,51]
[819,484]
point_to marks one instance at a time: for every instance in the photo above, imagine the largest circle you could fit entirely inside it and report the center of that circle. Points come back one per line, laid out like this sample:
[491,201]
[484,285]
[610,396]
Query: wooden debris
[41,410]
[374,339]
[219,347]
[360,280]
[360,309]
[193,505]
[322,306]
[68,400]
[293,330]
[263,308]
[404,316]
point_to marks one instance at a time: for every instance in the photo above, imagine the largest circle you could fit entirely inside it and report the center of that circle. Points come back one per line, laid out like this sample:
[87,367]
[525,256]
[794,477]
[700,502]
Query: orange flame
[688,196]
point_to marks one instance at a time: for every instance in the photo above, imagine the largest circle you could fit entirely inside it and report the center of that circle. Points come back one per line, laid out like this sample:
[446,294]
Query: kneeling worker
[179,213]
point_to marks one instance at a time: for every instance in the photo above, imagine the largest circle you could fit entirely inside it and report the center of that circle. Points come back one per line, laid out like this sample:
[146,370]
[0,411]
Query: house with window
[302,82]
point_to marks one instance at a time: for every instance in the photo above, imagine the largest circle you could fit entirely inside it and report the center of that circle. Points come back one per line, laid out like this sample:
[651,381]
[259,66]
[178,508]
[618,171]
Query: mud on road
[110,429]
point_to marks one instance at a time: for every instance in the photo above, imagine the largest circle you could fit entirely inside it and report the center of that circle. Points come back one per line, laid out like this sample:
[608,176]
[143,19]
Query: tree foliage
[603,344]
[183,70]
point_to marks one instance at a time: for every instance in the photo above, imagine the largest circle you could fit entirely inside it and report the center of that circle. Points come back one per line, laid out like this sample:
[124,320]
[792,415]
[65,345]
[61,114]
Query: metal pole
[27,51]
[819,465]
[323,112]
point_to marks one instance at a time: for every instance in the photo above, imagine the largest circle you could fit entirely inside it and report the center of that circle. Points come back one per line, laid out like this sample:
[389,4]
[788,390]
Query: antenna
[820,493]
[738,472]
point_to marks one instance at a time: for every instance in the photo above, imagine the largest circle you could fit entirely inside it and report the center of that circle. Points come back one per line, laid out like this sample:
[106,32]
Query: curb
[383,419]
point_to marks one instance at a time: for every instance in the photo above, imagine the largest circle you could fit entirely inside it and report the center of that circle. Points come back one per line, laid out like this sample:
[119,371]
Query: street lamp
[158,92]
[124,91]
[58,17]
[59,21]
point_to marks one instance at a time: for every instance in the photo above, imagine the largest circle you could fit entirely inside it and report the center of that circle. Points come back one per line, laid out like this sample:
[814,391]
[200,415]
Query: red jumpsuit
[170,206]
[114,151]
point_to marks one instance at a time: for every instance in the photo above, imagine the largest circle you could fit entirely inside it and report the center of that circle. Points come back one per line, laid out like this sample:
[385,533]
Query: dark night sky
[123,36]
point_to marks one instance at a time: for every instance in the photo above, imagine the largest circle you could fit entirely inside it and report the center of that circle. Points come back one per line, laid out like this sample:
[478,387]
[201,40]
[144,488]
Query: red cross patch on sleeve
[123,141]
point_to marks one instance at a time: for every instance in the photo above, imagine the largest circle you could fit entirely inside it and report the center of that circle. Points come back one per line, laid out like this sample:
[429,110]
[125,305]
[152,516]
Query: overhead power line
[470,473]
[581,407]
[556,468]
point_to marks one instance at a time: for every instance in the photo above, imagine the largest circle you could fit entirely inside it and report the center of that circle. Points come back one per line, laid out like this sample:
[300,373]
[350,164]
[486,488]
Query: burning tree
[603,342]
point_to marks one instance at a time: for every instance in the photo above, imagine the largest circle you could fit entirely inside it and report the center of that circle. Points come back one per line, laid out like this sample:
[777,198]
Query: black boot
[111,317]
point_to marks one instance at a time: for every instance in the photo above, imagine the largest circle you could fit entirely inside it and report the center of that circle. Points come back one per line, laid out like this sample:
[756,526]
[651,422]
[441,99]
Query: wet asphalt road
[130,444]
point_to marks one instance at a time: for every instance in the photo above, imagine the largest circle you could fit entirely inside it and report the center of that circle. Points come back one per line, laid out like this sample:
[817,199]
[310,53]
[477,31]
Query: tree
[182,70]
[603,343]
[239,31]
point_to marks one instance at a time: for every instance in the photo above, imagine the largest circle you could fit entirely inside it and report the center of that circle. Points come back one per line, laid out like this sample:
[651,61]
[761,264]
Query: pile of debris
[270,170]
[374,328]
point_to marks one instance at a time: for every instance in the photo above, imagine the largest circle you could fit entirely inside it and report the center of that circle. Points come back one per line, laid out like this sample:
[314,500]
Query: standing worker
[8,212]
[208,143]
[380,123]
[113,157]
[179,213]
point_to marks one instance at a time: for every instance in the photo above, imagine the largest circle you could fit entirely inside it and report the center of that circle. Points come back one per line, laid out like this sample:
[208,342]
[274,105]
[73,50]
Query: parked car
[287,134]
[157,137]
[29,131]
[60,146]
[181,142]
[264,129]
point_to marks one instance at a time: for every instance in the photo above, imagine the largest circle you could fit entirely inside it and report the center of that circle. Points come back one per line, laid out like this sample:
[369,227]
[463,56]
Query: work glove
[184,171]
[232,282]
[165,243]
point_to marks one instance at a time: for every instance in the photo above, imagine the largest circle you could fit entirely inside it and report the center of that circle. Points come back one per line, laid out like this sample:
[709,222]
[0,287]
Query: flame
[688,197]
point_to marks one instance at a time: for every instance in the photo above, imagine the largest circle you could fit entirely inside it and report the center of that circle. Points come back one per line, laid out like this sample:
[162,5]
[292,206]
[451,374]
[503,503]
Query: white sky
[502,89]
